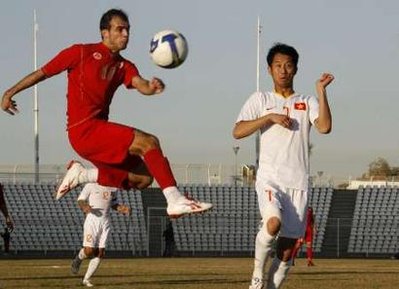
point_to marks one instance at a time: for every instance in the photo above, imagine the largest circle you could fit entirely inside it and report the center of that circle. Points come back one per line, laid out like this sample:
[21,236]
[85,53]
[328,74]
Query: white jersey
[284,153]
[100,198]
[97,226]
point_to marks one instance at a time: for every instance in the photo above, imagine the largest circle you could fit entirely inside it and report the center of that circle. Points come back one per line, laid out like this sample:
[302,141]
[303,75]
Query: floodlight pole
[258,54]
[236,149]
[35,105]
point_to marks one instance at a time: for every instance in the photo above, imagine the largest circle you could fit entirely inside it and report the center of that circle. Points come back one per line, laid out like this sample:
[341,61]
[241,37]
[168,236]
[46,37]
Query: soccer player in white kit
[284,119]
[96,202]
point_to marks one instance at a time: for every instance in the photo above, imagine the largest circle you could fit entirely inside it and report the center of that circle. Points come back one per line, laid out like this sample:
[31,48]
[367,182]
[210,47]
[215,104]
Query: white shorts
[289,205]
[95,231]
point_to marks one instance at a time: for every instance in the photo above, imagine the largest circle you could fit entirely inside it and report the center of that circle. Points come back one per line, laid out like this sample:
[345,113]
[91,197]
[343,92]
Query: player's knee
[143,142]
[273,226]
[150,142]
[145,182]
[140,182]
[89,252]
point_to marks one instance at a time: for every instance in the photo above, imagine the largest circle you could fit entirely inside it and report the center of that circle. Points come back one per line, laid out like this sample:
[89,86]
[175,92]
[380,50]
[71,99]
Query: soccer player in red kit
[124,157]
[307,239]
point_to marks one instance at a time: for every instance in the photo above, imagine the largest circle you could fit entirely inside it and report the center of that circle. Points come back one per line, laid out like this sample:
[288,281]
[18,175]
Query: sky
[357,41]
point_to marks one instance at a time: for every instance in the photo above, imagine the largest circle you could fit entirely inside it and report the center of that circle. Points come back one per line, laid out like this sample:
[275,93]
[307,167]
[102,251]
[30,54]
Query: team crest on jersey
[106,195]
[97,56]
[300,106]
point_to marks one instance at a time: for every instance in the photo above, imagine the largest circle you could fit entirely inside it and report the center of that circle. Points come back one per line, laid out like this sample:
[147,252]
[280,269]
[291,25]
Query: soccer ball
[168,49]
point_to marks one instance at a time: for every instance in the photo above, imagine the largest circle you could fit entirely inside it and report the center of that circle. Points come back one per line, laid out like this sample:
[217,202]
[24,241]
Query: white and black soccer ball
[168,49]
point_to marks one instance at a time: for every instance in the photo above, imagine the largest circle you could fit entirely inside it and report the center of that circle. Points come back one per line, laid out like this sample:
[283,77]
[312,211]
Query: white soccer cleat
[186,205]
[75,266]
[257,283]
[70,180]
[87,283]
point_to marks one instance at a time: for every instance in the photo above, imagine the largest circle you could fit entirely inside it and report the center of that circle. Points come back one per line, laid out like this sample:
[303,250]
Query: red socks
[309,253]
[159,168]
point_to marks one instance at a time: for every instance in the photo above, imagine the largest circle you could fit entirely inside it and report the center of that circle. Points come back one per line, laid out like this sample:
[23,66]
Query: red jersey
[94,74]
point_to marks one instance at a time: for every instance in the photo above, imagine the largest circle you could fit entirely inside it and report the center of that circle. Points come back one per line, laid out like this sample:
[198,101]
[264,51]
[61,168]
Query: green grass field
[210,273]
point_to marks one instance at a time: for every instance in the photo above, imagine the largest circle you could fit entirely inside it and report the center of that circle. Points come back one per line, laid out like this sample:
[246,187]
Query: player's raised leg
[76,175]
[148,147]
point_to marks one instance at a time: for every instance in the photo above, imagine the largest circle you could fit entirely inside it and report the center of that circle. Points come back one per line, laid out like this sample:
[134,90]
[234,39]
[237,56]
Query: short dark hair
[283,49]
[105,22]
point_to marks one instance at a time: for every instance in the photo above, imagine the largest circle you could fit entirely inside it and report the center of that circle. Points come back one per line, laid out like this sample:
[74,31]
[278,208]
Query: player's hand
[124,210]
[281,119]
[157,85]
[9,105]
[324,80]
[86,208]
[9,224]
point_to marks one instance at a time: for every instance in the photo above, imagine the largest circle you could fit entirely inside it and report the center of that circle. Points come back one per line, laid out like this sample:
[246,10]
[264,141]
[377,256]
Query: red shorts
[106,145]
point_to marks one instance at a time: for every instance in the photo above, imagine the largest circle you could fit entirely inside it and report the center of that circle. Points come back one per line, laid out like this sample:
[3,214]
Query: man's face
[116,37]
[282,70]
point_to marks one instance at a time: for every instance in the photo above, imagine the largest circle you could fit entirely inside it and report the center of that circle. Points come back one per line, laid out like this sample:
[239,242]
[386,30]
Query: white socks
[277,273]
[82,254]
[93,265]
[263,246]
[171,194]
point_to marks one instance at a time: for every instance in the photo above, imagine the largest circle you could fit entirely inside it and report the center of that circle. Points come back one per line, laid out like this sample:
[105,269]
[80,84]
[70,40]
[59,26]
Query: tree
[395,171]
[379,168]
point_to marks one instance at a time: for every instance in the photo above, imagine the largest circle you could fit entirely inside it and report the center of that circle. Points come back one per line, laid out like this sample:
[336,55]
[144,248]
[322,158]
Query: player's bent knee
[89,252]
[142,143]
[149,142]
[273,225]
[142,182]
[145,183]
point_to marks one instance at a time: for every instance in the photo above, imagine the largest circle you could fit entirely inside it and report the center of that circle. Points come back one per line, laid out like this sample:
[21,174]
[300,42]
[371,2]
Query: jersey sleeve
[65,60]
[85,193]
[130,72]
[251,108]
[313,109]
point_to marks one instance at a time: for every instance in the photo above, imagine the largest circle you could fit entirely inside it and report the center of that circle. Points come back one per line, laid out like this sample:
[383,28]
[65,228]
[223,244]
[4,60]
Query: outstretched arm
[8,104]
[246,128]
[324,122]
[148,87]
